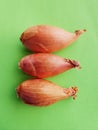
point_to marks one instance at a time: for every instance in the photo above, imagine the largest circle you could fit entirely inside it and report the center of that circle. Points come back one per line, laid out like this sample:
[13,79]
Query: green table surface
[69,114]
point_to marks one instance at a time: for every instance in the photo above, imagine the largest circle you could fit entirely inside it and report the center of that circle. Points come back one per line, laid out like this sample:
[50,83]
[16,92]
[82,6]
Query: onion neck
[79,32]
[71,92]
[74,63]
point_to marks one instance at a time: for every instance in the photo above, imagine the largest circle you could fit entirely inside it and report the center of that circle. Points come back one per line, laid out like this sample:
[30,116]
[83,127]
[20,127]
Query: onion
[44,38]
[40,92]
[42,65]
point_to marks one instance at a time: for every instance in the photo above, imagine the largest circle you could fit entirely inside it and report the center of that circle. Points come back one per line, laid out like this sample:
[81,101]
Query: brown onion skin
[40,92]
[42,65]
[44,38]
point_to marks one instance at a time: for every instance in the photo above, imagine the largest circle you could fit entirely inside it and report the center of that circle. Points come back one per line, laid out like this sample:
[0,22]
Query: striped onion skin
[43,65]
[47,39]
[40,92]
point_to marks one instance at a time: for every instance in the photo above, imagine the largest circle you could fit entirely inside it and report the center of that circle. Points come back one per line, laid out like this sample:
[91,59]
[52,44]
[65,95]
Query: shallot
[42,65]
[40,92]
[44,38]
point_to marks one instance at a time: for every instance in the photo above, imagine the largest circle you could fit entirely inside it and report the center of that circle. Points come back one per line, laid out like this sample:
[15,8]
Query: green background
[79,114]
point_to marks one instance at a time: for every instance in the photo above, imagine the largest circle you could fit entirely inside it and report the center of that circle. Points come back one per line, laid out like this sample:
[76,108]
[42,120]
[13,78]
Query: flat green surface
[81,114]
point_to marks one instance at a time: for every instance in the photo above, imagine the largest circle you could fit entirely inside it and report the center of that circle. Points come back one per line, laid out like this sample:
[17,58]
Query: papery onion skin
[44,38]
[42,65]
[40,92]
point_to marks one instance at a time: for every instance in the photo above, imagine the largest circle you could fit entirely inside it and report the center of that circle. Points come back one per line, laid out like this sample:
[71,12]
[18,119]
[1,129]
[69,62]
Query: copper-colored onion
[41,92]
[44,38]
[42,65]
